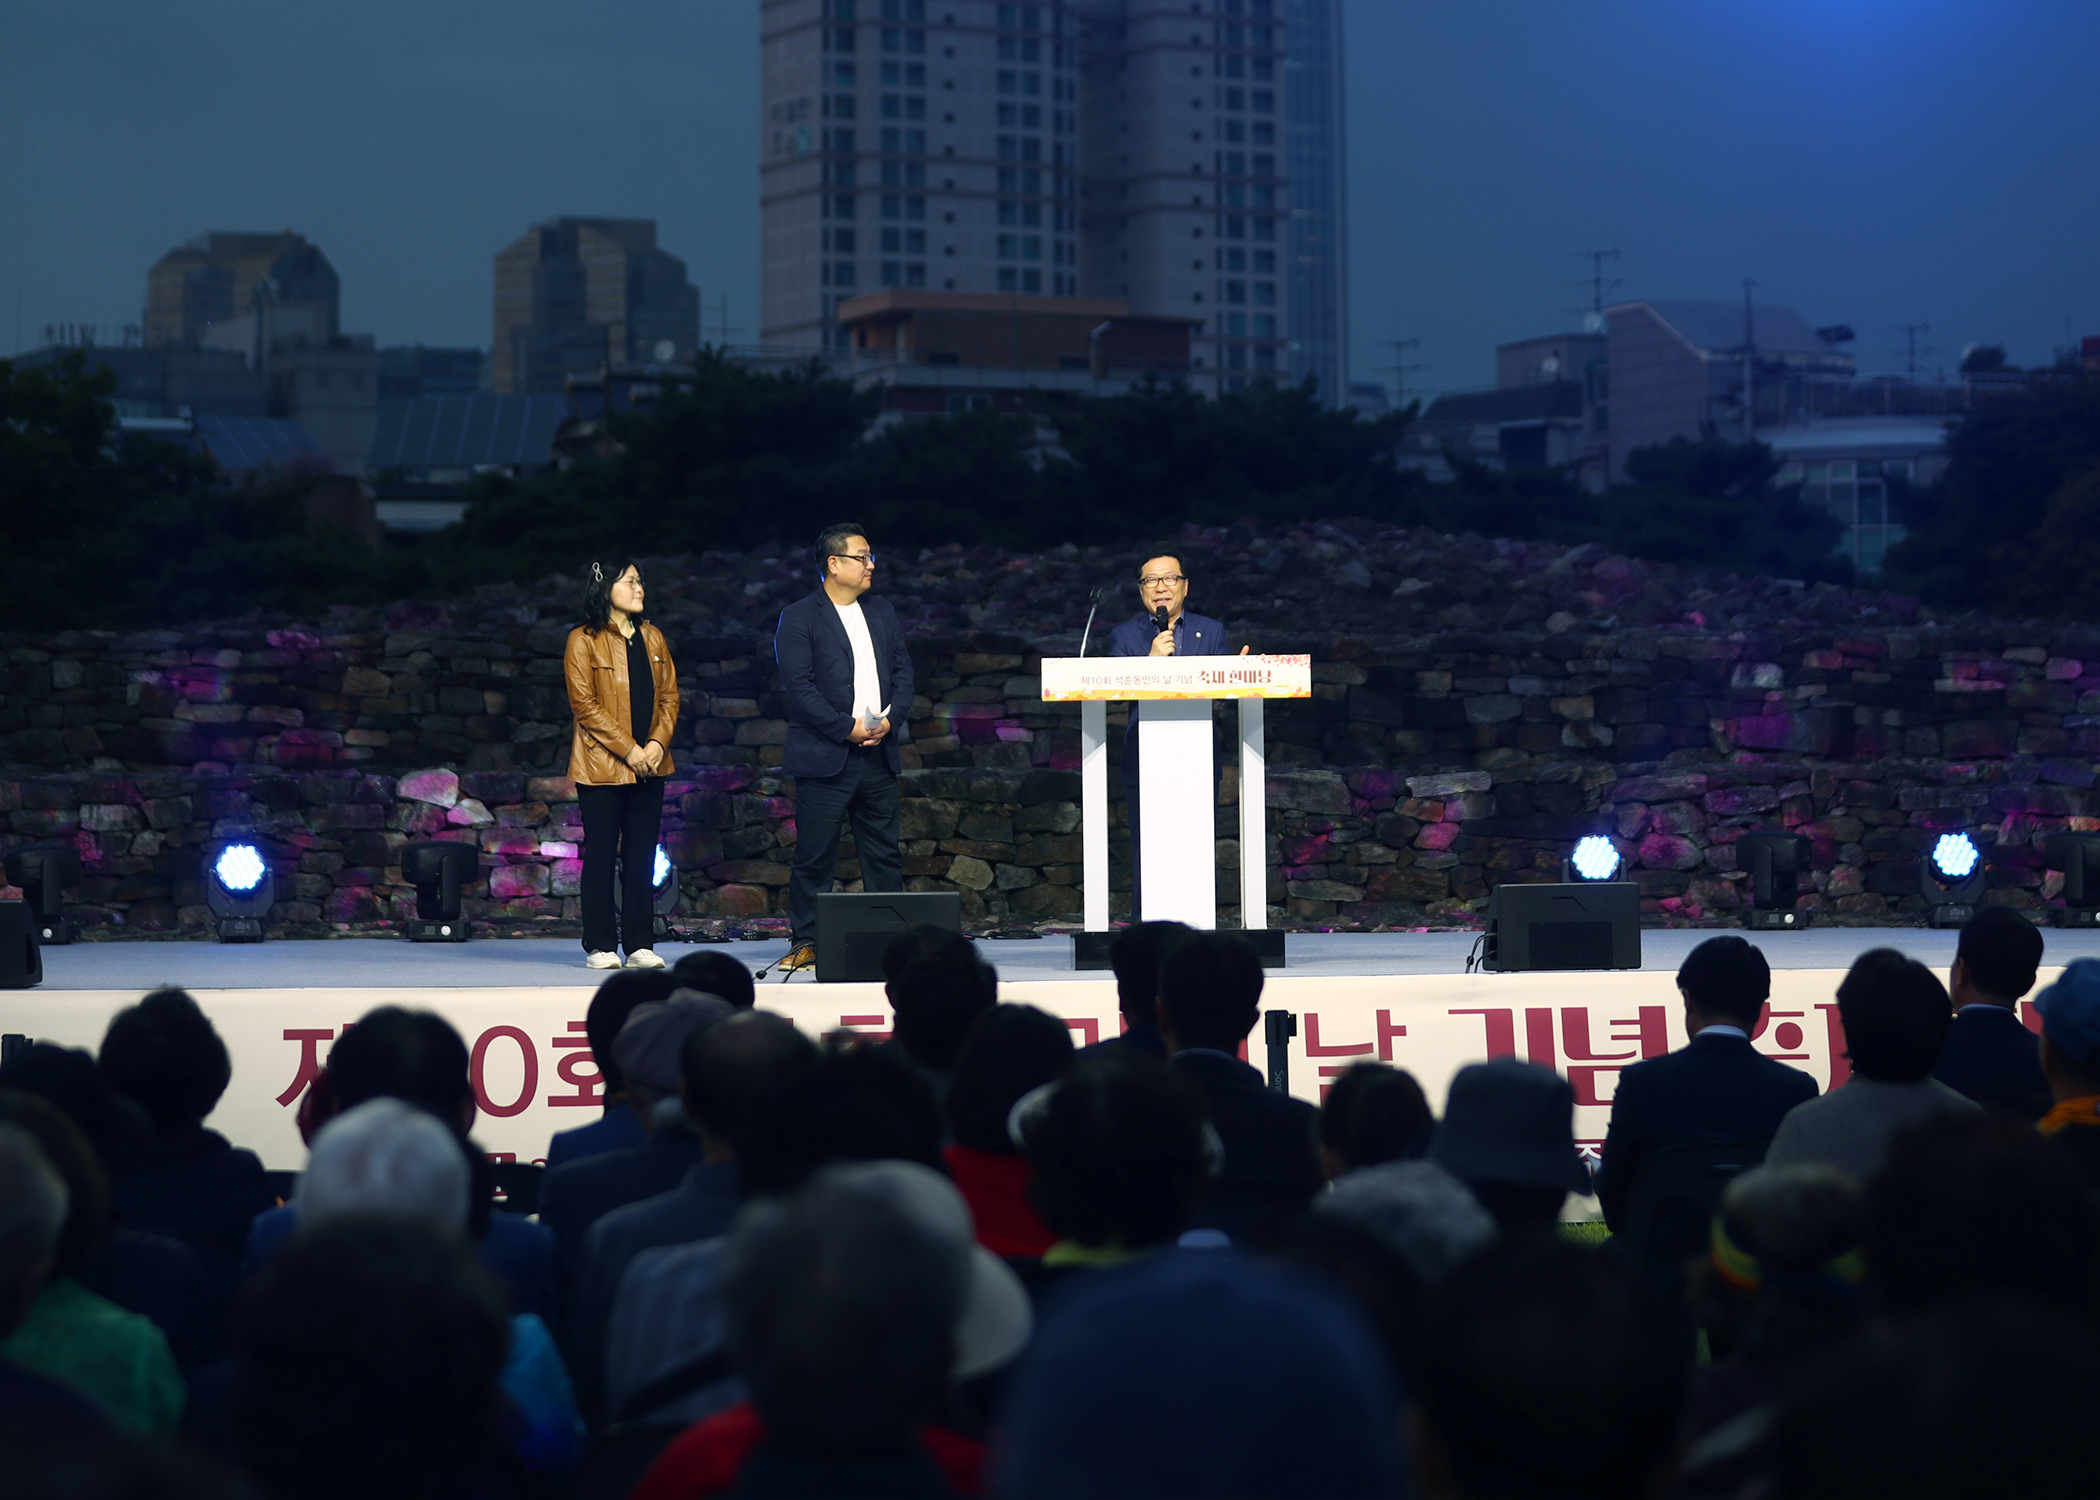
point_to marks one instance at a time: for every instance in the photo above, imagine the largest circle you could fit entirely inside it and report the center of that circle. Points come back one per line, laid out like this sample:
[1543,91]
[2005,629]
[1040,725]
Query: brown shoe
[801,956]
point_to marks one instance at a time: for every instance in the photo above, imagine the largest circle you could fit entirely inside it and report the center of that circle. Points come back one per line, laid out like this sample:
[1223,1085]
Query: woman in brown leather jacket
[623,691]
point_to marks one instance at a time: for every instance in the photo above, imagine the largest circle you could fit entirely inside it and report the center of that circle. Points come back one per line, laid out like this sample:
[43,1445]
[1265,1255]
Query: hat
[1510,1121]
[996,1321]
[1415,1209]
[2070,1010]
[651,1042]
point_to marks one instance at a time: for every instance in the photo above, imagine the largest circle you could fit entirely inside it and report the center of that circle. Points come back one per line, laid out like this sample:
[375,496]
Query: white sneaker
[607,960]
[644,958]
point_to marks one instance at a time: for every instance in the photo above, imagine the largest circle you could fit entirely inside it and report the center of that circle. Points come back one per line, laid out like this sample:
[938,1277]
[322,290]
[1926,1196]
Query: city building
[410,370]
[1185,159]
[165,382]
[574,294]
[198,288]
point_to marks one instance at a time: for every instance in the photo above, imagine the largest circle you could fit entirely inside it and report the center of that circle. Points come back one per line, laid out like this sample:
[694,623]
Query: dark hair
[1173,552]
[831,539]
[1210,989]
[395,1053]
[1923,1409]
[1727,978]
[366,1354]
[937,997]
[164,1054]
[908,944]
[717,973]
[87,1187]
[594,598]
[1375,1112]
[726,1066]
[1118,1151]
[610,1006]
[2001,950]
[67,1078]
[1537,1349]
[841,1307]
[860,1104]
[1970,1204]
[1011,1050]
[1134,955]
[1895,1014]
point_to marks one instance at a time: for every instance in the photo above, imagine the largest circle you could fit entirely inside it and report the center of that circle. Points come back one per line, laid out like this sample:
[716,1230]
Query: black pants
[866,791]
[620,824]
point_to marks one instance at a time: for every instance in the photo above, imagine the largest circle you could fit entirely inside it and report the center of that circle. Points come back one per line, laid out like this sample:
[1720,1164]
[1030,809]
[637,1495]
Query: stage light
[43,871]
[1595,858]
[663,881]
[439,871]
[237,888]
[1952,879]
[2078,856]
[1776,861]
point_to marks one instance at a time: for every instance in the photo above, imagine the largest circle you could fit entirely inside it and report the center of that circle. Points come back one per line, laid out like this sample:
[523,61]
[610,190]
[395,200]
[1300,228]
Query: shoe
[644,958]
[801,956]
[601,961]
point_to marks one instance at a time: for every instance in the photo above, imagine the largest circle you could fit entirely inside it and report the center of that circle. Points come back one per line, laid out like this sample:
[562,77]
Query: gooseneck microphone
[1094,597]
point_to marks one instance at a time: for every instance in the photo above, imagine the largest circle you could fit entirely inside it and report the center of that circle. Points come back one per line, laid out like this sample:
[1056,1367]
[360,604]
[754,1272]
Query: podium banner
[1083,679]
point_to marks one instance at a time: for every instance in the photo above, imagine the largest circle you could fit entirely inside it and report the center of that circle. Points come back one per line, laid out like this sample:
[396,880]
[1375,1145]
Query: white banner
[1069,679]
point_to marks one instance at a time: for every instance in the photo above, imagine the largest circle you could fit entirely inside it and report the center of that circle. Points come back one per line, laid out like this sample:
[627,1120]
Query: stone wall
[1424,770]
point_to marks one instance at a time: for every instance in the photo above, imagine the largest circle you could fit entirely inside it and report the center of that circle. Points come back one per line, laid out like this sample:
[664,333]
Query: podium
[1176,800]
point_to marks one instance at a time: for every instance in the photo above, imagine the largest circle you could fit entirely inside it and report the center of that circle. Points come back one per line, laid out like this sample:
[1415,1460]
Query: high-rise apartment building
[214,280]
[1185,157]
[575,294]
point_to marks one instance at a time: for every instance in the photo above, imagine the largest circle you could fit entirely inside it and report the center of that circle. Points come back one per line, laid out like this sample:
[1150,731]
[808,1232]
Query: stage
[1401,997]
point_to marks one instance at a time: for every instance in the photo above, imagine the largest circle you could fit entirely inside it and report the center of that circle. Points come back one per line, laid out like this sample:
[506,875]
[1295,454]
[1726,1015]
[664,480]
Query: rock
[1450,785]
[439,787]
[469,813]
[969,872]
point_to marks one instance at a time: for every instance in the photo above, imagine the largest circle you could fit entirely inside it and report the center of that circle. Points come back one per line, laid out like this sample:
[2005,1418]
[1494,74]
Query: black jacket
[1990,1057]
[577,1194]
[195,1188]
[1716,1088]
[1272,1158]
[816,672]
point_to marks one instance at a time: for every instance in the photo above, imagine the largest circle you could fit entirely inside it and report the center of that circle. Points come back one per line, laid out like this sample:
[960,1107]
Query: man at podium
[1166,628]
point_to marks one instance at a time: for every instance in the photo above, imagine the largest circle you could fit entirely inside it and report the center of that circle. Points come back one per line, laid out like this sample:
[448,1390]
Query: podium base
[1090,949]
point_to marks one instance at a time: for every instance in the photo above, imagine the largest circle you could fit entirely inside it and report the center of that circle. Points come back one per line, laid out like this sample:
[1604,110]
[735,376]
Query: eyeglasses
[1151,578]
[865,559]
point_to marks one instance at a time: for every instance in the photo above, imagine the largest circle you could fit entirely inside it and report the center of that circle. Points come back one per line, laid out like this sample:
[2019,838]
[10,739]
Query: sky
[1873,162]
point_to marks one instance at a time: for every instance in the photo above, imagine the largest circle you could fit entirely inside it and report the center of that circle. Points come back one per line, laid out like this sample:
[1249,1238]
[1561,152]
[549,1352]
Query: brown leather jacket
[595,666]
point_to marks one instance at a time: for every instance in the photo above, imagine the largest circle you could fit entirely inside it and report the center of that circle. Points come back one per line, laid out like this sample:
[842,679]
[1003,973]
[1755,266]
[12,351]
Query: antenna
[1401,369]
[1912,347]
[1749,362]
[1595,283]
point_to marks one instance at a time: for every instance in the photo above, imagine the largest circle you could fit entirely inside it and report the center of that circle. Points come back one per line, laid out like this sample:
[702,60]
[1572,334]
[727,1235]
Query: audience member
[619,1127]
[70,1334]
[37,1413]
[649,1051]
[367,1352]
[940,989]
[713,972]
[1011,1051]
[1373,1113]
[1717,1087]
[723,1068]
[1415,1209]
[1134,955]
[1983,1399]
[1545,1371]
[1210,987]
[1201,1373]
[1895,1014]
[851,1305]
[1988,1055]
[1782,1285]
[1508,1134]
[1970,1206]
[191,1185]
[862,1103]
[416,1057]
[2070,1063]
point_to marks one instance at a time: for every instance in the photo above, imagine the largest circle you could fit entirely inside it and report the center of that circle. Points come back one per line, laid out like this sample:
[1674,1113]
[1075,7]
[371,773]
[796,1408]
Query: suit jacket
[518,1252]
[1717,1088]
[196,1188]
[1992,1058]
[1851,1127]
[816,670]
[594,666]
[1194,635]
[615,1130]
[577,1194]
[1272,1159]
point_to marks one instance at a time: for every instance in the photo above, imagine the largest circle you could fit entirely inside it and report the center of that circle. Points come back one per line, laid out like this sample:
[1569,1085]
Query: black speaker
[1583,925]
[853,927]
[21,955]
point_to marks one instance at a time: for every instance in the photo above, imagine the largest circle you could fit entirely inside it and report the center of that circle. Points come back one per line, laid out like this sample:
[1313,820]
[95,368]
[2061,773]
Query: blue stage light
[240,867]
[660,872]
[238,890]
[1952,879]
[1595,858]
[1955,856]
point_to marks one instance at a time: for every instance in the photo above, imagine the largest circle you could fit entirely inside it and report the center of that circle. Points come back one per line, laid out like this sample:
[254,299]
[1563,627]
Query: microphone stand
[1094,603]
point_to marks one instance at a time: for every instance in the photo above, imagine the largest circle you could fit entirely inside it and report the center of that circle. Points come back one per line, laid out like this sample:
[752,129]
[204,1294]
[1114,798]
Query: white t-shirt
[867,683]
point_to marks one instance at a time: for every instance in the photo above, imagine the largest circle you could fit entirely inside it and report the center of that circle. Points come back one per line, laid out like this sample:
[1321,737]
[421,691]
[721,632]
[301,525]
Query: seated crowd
[971,1258]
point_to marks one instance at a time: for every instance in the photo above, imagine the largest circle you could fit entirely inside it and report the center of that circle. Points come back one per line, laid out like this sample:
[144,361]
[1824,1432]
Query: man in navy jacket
[1988,1054]
[1162,584]
[848,678]
[1716,1088]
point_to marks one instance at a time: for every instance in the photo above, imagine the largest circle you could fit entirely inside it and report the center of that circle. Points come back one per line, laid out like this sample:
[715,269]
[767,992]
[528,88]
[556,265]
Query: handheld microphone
[1159,618]
[1093,603]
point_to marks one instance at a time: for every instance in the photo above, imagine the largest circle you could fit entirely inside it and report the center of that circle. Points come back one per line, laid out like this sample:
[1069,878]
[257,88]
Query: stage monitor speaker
[1584,925]
[853,927]
[21,955]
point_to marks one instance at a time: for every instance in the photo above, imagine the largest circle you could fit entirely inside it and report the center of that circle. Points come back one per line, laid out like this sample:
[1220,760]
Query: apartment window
[1009,247]
[842,75]
[1009,116]
[1235,99]
[914,242]
[1020,49]
[1235,356]
[1264,102]
[1031,116]
[1009,148]
[839,173]
[841,106]
[915,142]
[1264,294]
[1235,227]
[838,38]
[1235,260]
[893,106]
[1265,262]
[1265,229]
[1264,357]
[1264,166]
[1265,325]
[1235,66]
[1031,281]
[1031,247]
[1032,84]
[1235,163]
[892,206]
[892,241]
[1235,291]
[914,208]
[1009,81]
[915,107]
[1235,130]
[892,273]
[1031,148]
[915,274]
[841,241]
[840,205]
[1235,34]
[1009,279]
[839,138]
[1264,37]
[1236,325]
[838,10]
[1235,195]
[1264,133]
